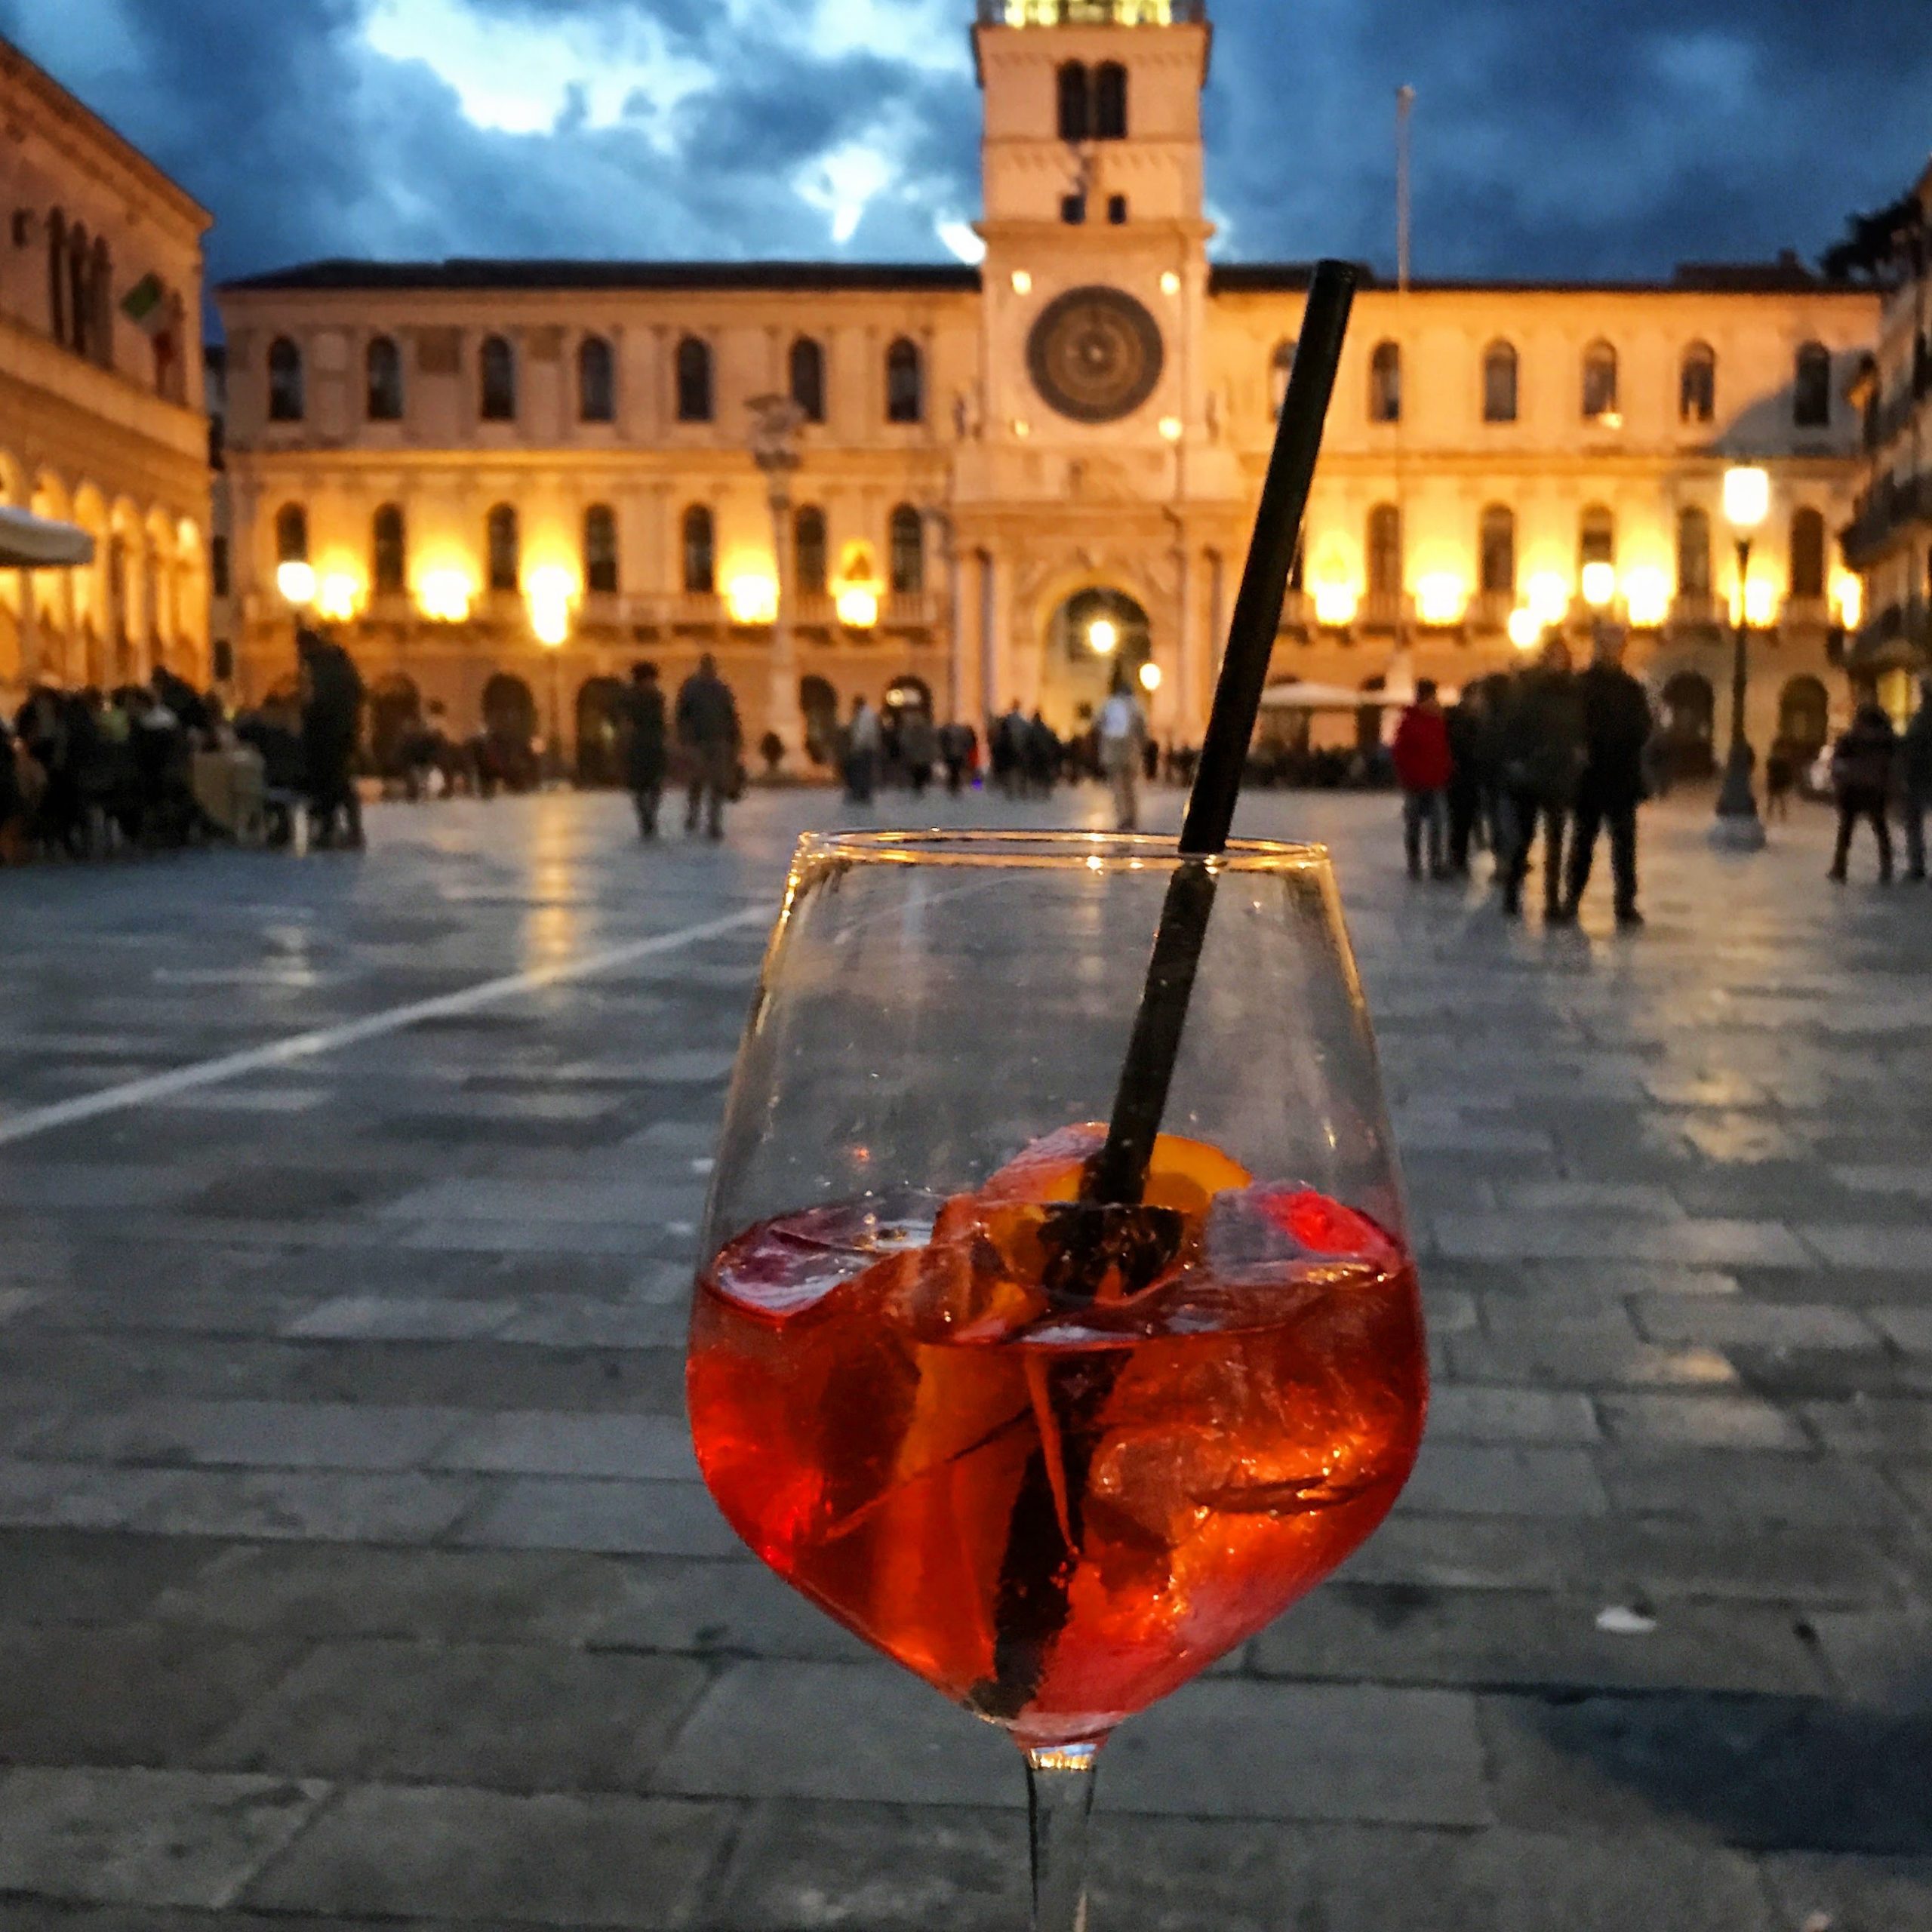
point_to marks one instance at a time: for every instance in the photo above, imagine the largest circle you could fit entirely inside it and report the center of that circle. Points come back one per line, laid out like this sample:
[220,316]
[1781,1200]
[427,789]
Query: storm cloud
[1590,139]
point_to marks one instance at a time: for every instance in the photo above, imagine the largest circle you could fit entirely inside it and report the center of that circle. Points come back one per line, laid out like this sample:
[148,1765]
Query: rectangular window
[218,565]
[1117,210]
[1073,210]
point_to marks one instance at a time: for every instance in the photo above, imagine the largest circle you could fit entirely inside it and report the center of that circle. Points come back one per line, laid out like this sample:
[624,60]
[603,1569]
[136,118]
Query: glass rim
[1047,851]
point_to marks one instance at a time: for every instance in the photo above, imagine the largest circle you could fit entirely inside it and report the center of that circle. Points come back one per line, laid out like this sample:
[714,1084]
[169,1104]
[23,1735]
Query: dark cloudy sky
[1553,137]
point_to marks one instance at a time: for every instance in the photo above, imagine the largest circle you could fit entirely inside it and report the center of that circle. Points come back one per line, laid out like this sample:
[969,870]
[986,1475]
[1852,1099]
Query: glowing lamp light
[1170,283]
[443,596]
[1525,629]
[1647,596]
[1848,594]
[296,582]
[1761,602]
[1336,605]
[1599,586]
[1103,637]
[1440,598]
[549,593]
[1022,282]
[1549,597]
[858,607]
[1171,429]
[1021,429]
[1150,679]
[339,594]
[751,597]
[1747,499]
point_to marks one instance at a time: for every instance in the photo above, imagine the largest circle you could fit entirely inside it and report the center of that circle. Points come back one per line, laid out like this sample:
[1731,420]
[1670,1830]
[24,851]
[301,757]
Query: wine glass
[1055,1456]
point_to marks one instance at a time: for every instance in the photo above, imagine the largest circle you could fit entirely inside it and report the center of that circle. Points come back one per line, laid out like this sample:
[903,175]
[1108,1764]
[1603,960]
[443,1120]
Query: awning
[1298,695]
[37,542]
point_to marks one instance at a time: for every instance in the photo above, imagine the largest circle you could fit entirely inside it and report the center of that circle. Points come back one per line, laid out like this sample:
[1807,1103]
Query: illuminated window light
[1599,586]
[1336,605]
[1525,629]
[297,583]
[1440,598]
[1848,594]
[549,593]
[751,597]
[1549,597]
[444,596]
[858,607]
[339,596]
[1760,601]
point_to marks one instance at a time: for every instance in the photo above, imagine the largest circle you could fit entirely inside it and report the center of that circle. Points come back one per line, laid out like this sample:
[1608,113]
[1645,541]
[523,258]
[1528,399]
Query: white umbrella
[1298,695]
[28,542]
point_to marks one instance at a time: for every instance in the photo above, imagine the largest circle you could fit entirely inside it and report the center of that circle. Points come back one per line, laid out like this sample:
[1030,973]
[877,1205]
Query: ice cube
[1264,1236]
[782,1269]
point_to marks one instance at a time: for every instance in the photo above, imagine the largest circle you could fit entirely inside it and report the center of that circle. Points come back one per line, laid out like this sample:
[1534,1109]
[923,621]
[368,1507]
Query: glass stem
[1059,1797]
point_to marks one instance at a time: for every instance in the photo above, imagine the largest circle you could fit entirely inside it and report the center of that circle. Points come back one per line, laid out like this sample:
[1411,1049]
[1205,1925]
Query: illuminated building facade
[463,460]
[100,395]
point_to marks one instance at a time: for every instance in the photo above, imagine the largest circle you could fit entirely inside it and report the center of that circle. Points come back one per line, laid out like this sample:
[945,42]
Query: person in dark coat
[1862,763]
[1040,757]
[645,758]
[332,700]
[1542,747]
[1616,727]
[708,731]
[1464,722]
[1915,766]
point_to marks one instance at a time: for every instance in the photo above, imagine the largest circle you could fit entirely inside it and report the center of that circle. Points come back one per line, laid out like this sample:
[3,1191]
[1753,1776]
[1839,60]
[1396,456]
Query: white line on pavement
[328,1039]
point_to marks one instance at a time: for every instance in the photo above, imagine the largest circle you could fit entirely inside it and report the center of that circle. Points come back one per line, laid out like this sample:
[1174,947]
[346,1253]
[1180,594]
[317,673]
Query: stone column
[29,630]
[992,598]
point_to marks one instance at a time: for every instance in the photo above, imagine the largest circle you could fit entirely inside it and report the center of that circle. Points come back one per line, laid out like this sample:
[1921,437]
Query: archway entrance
[1093,636]
[600,716]
[1689,725]
[509,756]
[1804,716]
[396,708]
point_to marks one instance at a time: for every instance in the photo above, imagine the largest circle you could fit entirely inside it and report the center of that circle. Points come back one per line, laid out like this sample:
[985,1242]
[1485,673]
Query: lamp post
[1747,502]
[776,421]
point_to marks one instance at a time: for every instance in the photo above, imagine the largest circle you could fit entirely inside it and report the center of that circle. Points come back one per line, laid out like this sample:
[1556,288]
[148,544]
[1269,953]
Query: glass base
[1060,1792]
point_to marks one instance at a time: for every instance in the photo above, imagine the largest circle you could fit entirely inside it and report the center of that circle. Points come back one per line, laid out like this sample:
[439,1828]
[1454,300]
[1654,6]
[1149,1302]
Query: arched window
[700,552]
[1697,385]
[1694,552]
[600,550]
[905,383]
[1385,551]
[497,371]
[1596,537]
[1811,397]
[100,303]
[1807,555]
[1499,550]
[384,361]
[908,552]
[1279,370]
[388,552]
[693,370]
[1499,382]
[1385,383]
[1600,383]
[808,379]
[809,566]
[1110,102]
[57,275]
[285,399]
[504,543]
[596,381]
[291,534]
[1076,108]
[80,321]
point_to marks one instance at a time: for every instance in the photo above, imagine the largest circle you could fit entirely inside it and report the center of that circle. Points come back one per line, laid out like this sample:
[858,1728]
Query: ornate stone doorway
[1094,634]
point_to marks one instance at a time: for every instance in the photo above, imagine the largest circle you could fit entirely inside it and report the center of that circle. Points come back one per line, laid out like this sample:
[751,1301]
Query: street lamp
[776,422]
[1747,502]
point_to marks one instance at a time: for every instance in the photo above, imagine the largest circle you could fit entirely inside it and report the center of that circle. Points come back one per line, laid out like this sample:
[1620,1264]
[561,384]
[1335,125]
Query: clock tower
[1096,471]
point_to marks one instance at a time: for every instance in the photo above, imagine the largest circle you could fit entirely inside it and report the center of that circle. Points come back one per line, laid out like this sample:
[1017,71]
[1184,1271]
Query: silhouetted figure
[1541,754]
[332,700]
[708,729]
[1862,763]
[1617,727]
[645,749]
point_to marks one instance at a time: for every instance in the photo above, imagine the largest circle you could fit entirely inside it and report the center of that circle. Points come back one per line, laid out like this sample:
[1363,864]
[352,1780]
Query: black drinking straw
[1042,1548]
[1119,1172]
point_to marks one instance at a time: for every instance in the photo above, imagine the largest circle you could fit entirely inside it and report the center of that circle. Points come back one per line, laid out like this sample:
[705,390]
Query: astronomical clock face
[1096,354]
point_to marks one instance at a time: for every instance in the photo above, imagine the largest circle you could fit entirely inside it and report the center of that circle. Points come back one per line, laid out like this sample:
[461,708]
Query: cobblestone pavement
[353,1570]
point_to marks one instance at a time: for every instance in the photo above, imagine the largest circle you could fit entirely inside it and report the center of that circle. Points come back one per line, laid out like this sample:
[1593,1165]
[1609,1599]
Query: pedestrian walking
[918,749]
[332,700]
[709,733]
[1782,763]
[646,749]
[1121,733]
[1424,768]
[1040,756]
[1463,721]
[1009,750]
[1862,762]
[1616,723]
[1542,753]
[1916,768]
[865,750]
[957,744]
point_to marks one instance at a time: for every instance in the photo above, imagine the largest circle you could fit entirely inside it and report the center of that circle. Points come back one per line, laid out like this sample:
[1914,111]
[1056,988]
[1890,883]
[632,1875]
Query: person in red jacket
[1424,768]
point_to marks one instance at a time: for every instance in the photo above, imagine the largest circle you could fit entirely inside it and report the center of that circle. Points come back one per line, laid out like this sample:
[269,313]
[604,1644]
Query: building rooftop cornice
[466,276]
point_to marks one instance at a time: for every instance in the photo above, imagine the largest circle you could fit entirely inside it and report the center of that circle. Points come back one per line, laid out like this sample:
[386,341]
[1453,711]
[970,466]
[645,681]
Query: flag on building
[144,304]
